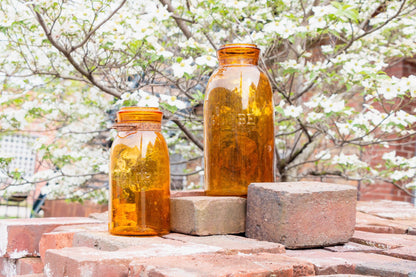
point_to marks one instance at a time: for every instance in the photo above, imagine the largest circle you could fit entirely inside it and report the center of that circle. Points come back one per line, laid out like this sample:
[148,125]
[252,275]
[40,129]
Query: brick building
[405,148]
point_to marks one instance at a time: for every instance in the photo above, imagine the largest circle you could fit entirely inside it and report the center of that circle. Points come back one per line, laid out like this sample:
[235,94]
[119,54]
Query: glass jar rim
[131,114]
[238,45]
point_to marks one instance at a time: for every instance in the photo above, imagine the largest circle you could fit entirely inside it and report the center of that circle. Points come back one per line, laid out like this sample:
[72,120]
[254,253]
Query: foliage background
[67,66]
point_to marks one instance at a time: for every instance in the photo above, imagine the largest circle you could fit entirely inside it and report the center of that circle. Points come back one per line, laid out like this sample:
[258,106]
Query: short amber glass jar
[238,123]
[139,175]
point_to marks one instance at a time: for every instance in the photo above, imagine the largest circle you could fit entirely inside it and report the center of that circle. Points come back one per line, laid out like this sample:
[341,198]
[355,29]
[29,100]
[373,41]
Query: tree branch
[88,75]
[179,21]
[88,36]
[188,134]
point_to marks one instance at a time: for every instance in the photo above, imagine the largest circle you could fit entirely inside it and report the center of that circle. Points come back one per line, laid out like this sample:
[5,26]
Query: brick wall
[405,148]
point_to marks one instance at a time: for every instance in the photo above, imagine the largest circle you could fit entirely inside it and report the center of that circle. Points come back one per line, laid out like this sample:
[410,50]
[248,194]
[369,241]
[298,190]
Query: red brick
[405,252]
[263,264]
[187,193]
[326,262]
[102,240]
[371,223]
[31,275]
[85,261]
[100,216]
[29,266]
[322,214]
[383,241]
[231,244]
[354,247]
[20,237]
[7,267]
[63,236]
[388,209]
[346,275]
[208,215]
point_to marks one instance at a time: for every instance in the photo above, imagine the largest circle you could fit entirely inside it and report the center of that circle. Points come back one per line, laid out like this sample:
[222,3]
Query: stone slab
[301,214]
[20,237]
[208,215]
[230,244]
[213,265]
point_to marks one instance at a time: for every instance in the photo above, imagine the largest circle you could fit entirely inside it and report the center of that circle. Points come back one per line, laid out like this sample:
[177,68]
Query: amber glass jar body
[139,175]
[238,123]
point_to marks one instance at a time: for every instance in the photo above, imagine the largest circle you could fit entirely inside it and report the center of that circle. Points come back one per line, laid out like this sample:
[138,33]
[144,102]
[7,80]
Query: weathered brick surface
[231,244]
[374,253]
[327,262]
[322,214]
[400,246]
[214,265]
[396,210]
[100,216]
[205,215]
[383,241]
[85,261]
[107,242]
[29,266]
[63,236]
[346,275]
[371,223]
[354,247]
[7,267]
[20,237]
[187,193]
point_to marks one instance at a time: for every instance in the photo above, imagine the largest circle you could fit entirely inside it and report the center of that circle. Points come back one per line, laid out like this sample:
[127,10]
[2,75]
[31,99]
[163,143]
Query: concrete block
[301,214]
[208,215]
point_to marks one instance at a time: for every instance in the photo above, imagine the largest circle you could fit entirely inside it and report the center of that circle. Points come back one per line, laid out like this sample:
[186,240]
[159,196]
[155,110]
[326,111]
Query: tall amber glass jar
[238,123]
[139,175]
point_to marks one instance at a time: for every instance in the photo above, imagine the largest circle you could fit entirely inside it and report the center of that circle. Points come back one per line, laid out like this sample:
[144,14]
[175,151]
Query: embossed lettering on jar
[139,175]
[238,123]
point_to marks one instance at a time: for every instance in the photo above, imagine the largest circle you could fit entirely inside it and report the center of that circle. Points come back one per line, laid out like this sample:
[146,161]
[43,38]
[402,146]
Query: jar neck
[238,54]
[138,119]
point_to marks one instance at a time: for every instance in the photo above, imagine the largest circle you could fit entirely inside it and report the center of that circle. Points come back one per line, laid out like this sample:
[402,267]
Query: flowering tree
[66,66]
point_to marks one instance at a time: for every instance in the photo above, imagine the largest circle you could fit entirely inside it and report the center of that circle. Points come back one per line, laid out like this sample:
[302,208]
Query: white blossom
[185,66]
[206,60]
[173,101]
[293,111]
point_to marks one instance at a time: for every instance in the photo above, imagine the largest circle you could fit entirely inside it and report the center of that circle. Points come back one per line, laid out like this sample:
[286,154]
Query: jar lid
[132,114]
